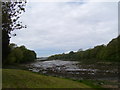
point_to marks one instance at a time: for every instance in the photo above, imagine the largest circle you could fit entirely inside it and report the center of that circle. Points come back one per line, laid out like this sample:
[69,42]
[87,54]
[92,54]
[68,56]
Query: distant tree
[109,52]
[11,12]
[71,52]
[80,50]
[112,50]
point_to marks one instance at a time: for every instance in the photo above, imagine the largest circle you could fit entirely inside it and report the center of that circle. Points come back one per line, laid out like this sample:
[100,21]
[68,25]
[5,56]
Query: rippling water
[60,67]
[55,63]
[76,70]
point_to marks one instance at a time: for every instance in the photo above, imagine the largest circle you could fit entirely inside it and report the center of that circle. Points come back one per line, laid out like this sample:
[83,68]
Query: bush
[20,55]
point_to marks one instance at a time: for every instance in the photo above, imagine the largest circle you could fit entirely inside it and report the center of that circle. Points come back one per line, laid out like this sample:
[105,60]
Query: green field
[13,78]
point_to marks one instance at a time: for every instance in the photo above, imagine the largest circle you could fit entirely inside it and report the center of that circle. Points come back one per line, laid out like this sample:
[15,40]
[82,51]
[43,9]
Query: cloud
[57,27]
[73,0]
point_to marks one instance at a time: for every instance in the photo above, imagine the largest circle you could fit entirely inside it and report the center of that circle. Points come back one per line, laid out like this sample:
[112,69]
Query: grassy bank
[13,78]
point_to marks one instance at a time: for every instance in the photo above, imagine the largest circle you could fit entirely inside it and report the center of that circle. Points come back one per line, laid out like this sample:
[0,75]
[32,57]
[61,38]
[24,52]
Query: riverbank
[104,74]
[14,78]
[99,75]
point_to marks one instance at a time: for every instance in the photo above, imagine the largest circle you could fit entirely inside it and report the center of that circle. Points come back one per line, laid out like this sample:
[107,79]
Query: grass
[14,78]
[90,83]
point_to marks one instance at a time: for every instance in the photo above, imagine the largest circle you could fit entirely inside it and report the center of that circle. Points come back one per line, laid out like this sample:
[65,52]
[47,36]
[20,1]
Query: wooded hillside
[109,52]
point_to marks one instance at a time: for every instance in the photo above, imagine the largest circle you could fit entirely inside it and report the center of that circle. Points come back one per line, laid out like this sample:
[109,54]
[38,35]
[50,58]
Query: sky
[61,27]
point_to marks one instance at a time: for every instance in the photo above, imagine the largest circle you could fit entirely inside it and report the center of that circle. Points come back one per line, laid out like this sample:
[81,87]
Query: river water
[76,70]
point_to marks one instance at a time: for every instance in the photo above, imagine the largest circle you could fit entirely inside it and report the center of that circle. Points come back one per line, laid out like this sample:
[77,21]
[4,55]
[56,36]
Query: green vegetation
[11,12]
[109,52]
[20,54]
[90,83]
[13,78]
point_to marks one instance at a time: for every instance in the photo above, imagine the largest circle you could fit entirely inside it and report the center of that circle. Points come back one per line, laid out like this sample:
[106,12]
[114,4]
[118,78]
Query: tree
[71,52]
[109,52]
[80,50]
[29,56]
[20,55]
[11,12]
[12,46]
[15,56]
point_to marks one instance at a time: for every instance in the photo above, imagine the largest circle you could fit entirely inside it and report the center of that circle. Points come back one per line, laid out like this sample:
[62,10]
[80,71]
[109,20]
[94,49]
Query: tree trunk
[5,46]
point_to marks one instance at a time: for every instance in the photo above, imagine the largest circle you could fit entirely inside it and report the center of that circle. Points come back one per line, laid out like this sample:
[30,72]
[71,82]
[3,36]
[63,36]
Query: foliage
[109,52]
[11,12]
[20,55]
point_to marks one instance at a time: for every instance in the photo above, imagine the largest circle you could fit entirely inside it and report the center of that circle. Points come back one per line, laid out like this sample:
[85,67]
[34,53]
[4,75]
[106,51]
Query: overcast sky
[57,27]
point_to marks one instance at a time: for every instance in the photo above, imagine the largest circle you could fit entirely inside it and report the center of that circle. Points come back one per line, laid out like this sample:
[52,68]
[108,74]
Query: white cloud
[67,26]
[73,0]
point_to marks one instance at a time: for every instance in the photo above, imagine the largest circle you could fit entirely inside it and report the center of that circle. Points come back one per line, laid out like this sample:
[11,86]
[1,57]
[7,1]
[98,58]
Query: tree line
[19,54]
[109,52]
